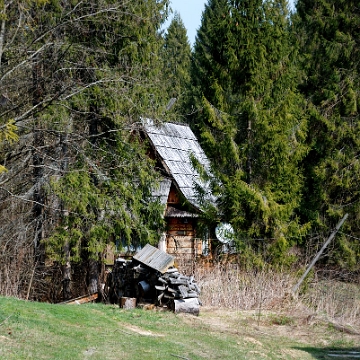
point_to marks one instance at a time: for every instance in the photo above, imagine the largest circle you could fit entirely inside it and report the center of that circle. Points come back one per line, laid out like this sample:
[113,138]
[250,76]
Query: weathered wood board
[154,258]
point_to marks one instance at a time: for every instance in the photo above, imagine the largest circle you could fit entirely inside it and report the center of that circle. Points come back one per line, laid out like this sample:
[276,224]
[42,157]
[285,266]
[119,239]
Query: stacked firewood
[130,278]
[125,280]
[173,285]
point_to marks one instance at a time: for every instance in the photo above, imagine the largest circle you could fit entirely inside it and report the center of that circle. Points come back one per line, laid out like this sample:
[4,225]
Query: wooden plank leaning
[316,258]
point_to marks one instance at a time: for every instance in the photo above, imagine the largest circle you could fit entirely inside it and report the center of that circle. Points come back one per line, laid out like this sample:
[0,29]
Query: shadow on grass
[332,352]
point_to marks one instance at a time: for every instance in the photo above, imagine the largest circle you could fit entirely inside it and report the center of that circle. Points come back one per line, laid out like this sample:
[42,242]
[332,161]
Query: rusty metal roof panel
[154,258]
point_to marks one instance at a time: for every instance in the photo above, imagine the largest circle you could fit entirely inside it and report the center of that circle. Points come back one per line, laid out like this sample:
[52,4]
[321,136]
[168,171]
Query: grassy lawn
[31,330]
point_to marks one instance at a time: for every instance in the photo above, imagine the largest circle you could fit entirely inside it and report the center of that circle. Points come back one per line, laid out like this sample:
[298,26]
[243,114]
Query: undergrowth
[228,286]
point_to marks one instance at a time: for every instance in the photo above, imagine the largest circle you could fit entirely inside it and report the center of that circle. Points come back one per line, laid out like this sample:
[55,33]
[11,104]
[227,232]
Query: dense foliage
[276,98]
[328,36]
[177,56]
[252,120]
[272,96]
[77,76]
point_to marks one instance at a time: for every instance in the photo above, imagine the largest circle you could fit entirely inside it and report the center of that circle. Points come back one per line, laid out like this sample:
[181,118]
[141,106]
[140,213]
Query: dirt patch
[4,338]
[252,340]
[253,325]
[140,331]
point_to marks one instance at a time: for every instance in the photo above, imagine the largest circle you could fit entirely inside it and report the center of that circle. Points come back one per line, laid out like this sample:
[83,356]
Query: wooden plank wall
[183,245]
[181,242]
[181,227]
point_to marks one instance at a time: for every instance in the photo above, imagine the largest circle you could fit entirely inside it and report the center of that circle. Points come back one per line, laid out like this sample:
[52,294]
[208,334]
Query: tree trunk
[38,164]
[249,154]
[93,276]
[66,274]
[66,268]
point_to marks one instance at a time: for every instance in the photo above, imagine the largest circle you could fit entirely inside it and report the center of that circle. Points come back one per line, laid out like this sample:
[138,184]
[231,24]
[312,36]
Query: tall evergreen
[177,55]
[111,199]
[329,37]
[250,116]
[78,76]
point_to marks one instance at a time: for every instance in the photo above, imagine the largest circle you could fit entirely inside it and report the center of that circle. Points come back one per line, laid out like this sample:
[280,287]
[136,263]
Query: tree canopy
[251,119]
[327,33]
[272,96]
[177,56]
[77,77]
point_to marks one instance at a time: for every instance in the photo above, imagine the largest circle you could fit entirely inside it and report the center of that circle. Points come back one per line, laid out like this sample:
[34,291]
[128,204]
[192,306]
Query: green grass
[31,330]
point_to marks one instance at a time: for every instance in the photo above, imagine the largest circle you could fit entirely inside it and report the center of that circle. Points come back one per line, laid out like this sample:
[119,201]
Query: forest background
[271,95]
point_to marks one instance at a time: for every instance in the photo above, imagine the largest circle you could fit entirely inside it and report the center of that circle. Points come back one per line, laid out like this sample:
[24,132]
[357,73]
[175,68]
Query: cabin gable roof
[174,144]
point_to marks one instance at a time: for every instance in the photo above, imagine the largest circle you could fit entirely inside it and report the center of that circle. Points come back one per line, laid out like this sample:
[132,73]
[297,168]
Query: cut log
[160,288]
[192,294]
[169,296]
[131,280]
[178,281]
[191,306]
[183,291]
[127,303]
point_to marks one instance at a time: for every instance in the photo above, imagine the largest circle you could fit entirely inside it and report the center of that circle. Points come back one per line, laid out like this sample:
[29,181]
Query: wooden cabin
[173,146]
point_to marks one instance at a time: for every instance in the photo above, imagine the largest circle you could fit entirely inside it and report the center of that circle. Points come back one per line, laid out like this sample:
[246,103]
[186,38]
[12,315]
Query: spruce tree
[329,36]
[177,55]
[251,121]
[78,76]
[114,201]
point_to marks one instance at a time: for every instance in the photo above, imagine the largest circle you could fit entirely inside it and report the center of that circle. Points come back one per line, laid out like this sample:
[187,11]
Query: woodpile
[166,288]
[173,285]
[178,292]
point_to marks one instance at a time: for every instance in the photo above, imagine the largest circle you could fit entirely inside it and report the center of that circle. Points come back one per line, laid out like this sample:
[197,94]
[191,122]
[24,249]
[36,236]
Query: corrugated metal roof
[175,143]
[154,258]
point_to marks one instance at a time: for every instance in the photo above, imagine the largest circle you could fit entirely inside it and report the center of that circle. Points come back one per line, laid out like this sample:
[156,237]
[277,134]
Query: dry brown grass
[335,300]
[227,286]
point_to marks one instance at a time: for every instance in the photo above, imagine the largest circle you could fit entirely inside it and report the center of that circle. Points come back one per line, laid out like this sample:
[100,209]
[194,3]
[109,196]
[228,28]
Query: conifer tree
[329,37]
[250,119]
[97,70]
[177,55]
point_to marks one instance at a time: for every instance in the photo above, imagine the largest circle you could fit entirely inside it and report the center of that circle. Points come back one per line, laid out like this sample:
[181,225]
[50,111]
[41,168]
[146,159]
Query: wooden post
[316,258]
